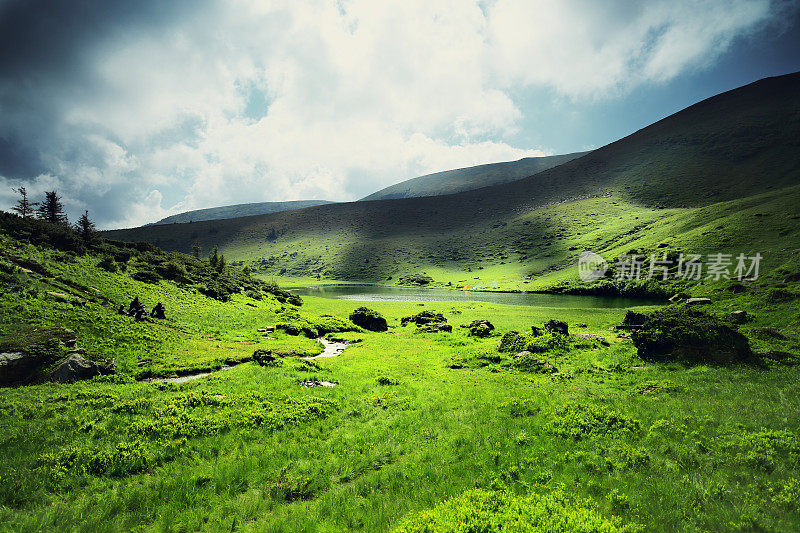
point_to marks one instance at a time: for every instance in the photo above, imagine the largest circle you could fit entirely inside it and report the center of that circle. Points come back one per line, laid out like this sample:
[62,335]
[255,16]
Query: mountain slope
[467,179]
[738,144]
[239,210]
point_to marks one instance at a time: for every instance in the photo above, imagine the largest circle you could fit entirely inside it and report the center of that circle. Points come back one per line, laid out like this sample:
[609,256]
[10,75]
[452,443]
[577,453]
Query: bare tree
[24,208]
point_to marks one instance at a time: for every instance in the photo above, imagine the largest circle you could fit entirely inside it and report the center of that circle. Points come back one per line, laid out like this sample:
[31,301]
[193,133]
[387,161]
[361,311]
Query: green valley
[246,407]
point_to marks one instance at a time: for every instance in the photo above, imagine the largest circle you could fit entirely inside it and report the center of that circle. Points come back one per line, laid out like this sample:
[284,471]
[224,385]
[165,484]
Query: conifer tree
[197,250]
[213,259]
[52,210]
[24,208]
[85,227]
[221,264]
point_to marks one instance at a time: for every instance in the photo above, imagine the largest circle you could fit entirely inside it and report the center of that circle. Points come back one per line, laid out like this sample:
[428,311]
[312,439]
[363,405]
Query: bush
[368,319]
[486,511]
[681,333]
[512,342]
[415,279]
[580,421]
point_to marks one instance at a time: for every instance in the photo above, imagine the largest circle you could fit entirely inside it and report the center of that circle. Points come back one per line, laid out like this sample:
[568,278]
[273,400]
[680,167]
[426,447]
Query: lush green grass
[424,429]
[417,419]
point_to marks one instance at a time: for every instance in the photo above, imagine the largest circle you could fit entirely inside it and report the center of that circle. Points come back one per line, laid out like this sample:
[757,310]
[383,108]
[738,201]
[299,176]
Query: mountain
[722,175]
[467,179]
[239,210]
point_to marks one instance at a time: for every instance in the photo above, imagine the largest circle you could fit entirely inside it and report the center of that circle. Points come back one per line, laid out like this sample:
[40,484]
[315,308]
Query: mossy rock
[368,319]
[679,333]
[423,318]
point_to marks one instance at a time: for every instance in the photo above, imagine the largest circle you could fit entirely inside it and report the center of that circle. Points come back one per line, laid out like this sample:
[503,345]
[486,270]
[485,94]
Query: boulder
[424,317]
[16,367]
[739,317]
[556,326]
[681,333]
[368,319]
[74,368]
[698,301]
[524,353]
[480,328]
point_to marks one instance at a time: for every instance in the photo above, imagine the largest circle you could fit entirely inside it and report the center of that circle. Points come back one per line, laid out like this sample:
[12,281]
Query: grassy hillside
[467,179]
[239,210]
[719,176]
[422,430]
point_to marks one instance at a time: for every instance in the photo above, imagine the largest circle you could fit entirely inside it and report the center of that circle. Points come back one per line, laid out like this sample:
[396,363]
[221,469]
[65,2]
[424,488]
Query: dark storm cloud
[44,47]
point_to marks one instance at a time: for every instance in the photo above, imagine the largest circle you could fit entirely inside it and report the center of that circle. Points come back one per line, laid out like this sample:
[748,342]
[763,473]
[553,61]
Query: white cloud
[359,94]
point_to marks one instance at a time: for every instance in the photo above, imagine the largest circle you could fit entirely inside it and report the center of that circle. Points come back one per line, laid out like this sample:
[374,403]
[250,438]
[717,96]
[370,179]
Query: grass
[423,430]
[406,438]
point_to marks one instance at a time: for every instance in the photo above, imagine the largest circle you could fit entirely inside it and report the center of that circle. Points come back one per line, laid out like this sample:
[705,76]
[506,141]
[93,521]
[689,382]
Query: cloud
[135,112]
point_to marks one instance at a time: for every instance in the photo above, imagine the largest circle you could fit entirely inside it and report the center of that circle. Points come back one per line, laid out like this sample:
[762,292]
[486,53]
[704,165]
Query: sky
[138,110]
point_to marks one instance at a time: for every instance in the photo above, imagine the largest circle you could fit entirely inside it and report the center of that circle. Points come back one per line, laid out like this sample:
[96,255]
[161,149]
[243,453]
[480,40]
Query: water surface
[377,293]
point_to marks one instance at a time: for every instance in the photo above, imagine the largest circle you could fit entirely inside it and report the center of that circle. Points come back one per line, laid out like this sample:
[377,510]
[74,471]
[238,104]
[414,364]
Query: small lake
[378,293]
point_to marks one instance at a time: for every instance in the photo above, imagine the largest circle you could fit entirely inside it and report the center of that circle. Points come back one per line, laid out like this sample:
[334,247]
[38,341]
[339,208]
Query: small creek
[330,349]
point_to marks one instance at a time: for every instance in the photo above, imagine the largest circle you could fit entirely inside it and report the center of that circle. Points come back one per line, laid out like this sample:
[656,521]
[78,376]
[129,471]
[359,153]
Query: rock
[71,343]
[368,319]
[77,351]
[480,328]
[264,358]
[698,301]
[583,326]
[59,297]
[556,326]
[424,317]
[262,330]
[74,368]
[16,367]
[776,355]
[536,332]
[682,333]
[679,297]
[632,318]
[589,336]
[739,317]
[524,353]
[447,328]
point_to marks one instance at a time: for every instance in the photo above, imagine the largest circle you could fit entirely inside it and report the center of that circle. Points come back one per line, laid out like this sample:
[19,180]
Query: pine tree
[24,208]
[213,259]
[221,264]
[52,210]
[85,227]
[197,250]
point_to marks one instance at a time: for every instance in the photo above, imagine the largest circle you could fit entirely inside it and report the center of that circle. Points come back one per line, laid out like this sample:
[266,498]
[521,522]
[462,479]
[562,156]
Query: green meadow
[422,431]
[544,419]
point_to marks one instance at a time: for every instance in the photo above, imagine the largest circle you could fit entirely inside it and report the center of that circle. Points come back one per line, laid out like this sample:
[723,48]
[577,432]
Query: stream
[330,349]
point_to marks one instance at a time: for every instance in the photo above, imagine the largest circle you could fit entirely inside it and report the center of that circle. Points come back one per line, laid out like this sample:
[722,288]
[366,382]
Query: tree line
[51,209]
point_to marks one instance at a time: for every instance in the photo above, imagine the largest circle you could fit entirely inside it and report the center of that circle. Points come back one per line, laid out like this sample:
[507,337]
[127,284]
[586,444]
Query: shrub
[415,279]
[486,511]
[688,334]
[580,421]
[368,319]
[512,342]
